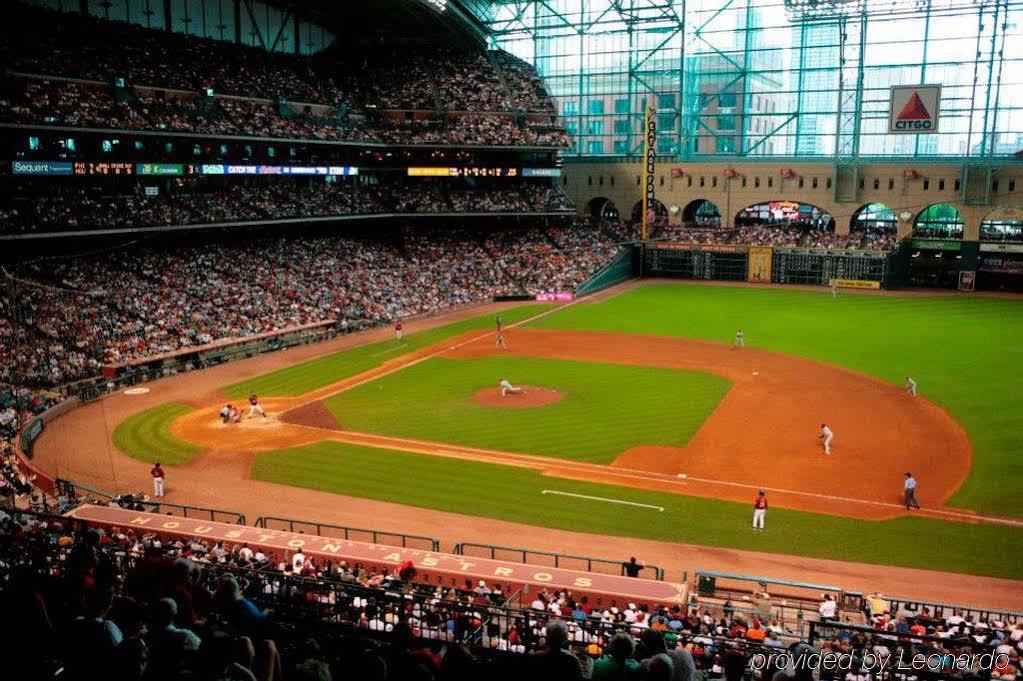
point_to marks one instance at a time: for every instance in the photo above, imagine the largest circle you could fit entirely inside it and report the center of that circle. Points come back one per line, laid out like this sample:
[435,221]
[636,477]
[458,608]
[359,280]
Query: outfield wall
[756,264]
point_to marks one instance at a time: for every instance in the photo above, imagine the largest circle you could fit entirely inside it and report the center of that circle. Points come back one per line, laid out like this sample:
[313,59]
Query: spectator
[554,662]
[617,664]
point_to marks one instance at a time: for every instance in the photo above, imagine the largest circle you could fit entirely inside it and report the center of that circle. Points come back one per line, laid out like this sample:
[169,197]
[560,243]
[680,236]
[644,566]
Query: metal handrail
[165,507]
[558,558]
[376,536]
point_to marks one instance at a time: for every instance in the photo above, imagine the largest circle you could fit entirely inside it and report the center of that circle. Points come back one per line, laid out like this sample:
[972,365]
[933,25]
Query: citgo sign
[914,109]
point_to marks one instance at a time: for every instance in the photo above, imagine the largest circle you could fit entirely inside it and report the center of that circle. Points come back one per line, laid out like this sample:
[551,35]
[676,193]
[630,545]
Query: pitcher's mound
[314,414]
[534,396]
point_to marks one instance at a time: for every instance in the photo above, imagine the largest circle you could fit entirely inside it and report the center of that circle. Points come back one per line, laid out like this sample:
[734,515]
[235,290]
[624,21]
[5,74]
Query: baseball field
[653,426]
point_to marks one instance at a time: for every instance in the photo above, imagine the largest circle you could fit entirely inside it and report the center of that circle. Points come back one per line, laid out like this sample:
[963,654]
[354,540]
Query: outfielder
[910,386]
[740,339]
[509,389]
[255,407]
[759,511]
[399,331]
[827,436]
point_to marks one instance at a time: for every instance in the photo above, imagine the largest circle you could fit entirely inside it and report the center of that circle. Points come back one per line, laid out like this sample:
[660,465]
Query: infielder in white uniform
[740,339]
[509,389]
[827,436]
[910,386]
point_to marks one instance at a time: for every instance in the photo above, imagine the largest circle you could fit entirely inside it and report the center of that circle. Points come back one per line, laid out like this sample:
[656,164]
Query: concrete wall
[761,181]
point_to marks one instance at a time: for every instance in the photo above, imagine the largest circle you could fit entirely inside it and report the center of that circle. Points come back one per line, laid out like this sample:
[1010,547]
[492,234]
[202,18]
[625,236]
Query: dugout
[789,601]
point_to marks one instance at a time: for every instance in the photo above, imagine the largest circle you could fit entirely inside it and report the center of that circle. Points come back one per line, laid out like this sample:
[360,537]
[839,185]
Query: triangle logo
[914,110]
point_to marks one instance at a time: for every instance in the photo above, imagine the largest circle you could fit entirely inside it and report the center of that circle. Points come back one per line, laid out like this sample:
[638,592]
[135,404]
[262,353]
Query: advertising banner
[649,165]
[43,168]
[759,267]
[914,109]
[855,283]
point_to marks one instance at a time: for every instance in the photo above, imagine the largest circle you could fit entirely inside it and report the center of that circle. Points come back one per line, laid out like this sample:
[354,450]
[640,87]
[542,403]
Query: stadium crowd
[127,604]
[194,202]
[87,105]
[70,46]
[779,236]
[83,72]
[67,317]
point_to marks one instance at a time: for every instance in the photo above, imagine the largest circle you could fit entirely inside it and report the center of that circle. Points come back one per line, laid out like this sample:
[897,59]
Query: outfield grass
[146,436]
[514,494]
[607,408]
[965,352]
[316,373]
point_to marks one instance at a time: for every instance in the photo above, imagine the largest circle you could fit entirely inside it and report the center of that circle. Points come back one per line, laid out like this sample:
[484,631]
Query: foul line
[437,353]
[659,509]
[554,464]
[388,351]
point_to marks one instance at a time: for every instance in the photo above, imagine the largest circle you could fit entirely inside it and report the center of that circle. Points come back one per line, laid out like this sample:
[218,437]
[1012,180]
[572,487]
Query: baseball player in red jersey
[157,473]
[255,407]
[759,510]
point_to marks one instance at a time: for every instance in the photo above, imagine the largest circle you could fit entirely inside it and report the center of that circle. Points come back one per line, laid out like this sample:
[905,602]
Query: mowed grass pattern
[316,373]
[514,494]
[965,352]
[606,408]
[146,436]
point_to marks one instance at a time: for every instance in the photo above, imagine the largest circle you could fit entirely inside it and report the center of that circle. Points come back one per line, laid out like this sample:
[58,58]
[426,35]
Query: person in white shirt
[297,561]
[909,491]
[508,389]
[910,386]
[827,436]
[828,608]
[245,552]
[740,339]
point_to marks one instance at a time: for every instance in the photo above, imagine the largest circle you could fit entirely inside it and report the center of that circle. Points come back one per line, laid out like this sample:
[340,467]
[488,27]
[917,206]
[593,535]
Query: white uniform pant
[400,335]
[158,487]
[759,515]
[827,443]
[255,408]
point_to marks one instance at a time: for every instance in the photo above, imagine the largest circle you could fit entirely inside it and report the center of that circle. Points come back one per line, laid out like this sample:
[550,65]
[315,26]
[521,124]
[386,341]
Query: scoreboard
[727,263]
[479,171]
[819,267]
[175,169]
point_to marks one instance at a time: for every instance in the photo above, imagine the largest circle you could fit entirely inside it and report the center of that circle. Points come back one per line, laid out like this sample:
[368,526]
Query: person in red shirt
[759,511]
[255,407]
[157,473]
